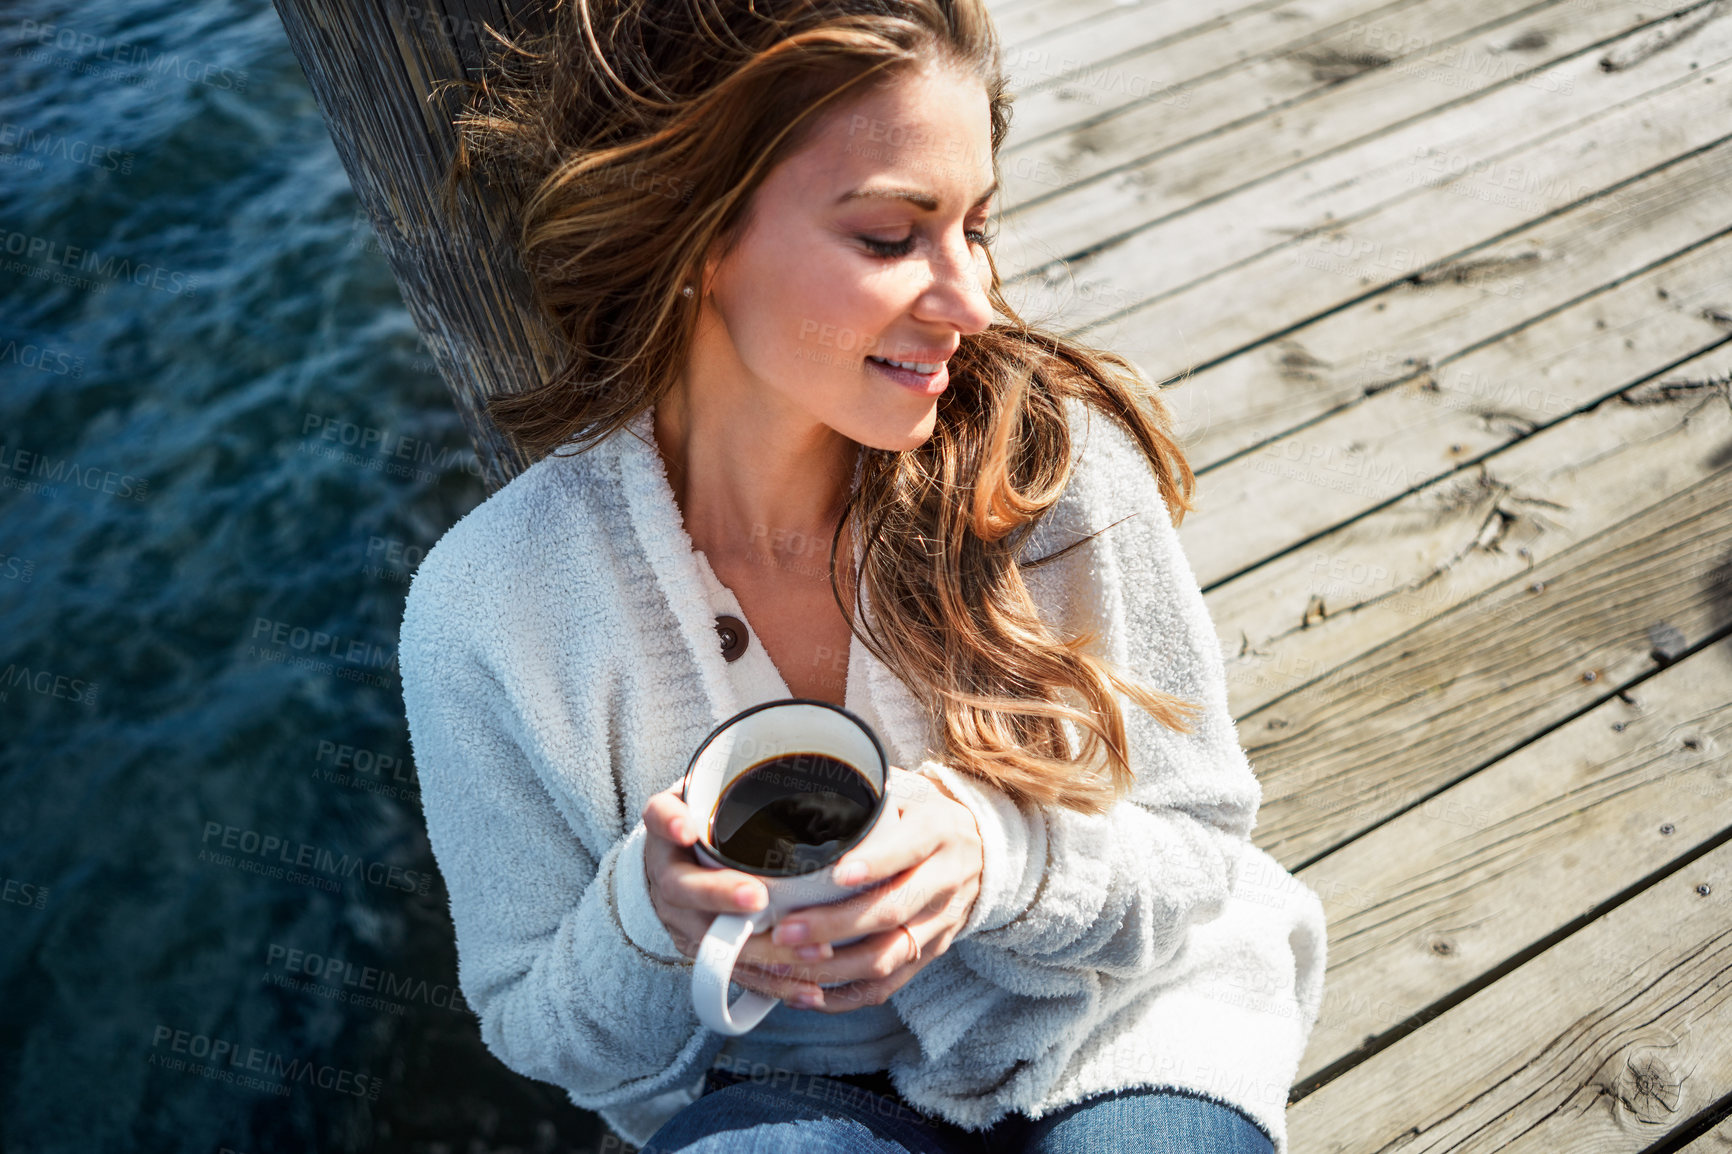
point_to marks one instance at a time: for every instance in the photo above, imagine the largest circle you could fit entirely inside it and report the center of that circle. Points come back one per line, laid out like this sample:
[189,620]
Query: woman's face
[835,273]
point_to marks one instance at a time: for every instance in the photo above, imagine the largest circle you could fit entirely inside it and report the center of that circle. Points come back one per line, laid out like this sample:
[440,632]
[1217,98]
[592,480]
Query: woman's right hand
[688,895]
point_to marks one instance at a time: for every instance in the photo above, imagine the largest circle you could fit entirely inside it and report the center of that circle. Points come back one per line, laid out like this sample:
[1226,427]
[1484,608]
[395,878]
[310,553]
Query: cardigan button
[734,636]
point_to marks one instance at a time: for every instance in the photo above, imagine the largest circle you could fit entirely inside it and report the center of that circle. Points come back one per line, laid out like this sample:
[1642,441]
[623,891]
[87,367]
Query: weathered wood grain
[1043,56]
[1446,894]
[1363,455]
[1465,687]
[372,66]
[1716,1141]
[1332,158]
[1295,618]
[1251,85]
[1604,1042]
[1431,319]
[1204,82]
[1274,248]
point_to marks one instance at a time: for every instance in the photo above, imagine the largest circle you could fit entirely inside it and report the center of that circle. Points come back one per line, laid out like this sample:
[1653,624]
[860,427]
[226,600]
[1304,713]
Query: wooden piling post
[372,66]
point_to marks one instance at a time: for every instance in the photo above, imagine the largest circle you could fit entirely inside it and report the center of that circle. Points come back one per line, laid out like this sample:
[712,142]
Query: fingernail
[853,872]
[809,1001]
[748,897]
[814,953]
[790,933]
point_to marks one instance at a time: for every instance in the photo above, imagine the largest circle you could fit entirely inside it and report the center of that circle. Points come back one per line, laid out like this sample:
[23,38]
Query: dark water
[221,926]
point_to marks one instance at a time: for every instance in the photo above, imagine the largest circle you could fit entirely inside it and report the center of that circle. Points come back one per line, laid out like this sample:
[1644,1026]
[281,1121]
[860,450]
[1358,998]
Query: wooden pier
[1441,291]
[1452,284]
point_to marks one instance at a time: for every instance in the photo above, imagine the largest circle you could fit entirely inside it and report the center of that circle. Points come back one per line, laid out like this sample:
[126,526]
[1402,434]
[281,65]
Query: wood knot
[1639,1083]
[1646,1090]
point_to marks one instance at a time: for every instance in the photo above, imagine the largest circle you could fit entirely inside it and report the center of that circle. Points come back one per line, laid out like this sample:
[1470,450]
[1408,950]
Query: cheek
[833,319]
[809,304]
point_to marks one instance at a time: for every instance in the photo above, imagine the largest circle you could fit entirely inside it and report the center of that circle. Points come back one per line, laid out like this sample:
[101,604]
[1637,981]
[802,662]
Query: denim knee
[1148,1121]
[753,1118]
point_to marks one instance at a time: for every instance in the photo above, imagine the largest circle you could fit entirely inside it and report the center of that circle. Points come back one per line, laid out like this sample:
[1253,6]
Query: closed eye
[891,249]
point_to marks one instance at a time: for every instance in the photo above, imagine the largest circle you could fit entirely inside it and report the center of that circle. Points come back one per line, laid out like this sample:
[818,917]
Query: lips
[928,384]
[912,364]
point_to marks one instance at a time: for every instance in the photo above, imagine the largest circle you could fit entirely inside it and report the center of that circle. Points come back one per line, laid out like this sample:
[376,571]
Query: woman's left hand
[932,863]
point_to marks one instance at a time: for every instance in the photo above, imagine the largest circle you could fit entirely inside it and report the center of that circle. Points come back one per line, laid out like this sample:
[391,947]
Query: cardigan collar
[875,692]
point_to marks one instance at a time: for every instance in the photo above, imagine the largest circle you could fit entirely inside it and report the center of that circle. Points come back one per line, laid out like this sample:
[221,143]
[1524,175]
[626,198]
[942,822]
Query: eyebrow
[918,196]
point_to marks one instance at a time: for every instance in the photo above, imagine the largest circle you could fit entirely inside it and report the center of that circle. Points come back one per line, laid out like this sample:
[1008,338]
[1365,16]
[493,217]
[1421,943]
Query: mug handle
[712,969]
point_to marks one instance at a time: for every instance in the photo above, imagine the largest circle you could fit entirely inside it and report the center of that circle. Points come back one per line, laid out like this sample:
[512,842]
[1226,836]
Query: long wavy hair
[627,138]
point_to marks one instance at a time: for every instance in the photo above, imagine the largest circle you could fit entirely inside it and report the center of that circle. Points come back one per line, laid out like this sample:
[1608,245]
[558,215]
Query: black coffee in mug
[792,813]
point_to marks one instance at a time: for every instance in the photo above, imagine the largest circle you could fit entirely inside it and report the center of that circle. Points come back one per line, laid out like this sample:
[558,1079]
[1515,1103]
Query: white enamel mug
[773,728]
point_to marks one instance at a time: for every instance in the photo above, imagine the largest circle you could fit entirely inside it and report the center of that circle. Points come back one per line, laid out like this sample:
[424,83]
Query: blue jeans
[811,1114]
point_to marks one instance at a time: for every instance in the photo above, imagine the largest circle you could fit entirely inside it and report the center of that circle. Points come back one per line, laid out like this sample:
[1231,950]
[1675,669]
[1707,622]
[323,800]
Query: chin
[899,438]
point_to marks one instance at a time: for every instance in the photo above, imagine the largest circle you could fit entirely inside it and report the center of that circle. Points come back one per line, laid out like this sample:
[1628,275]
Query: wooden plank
[1425,709]
[1045,56]
[1268,177]
[1715,1141]
[1019,23]
[1443,896]
[1326,473]
[1253,76]
[1213,78]
[1290,621]
[1604,1042]
[1427,321]
[1025,24]
[1163,286]
[371,68]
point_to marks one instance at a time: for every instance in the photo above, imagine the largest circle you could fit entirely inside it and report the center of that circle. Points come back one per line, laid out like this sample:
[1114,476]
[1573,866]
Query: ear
[707,280]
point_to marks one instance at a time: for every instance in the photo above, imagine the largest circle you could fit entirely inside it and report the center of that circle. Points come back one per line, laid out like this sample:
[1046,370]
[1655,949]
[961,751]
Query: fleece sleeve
[1115,893]
[545,948]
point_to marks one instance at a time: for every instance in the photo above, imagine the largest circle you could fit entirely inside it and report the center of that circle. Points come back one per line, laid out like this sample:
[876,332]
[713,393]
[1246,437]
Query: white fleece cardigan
[560,663]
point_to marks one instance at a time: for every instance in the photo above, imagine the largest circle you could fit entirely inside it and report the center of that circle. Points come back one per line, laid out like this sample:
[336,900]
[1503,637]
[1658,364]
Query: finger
[886,962]
[874,956]
[667,817]
[899,899]
[910,843]
[789,988]
[762,951]
[699,887]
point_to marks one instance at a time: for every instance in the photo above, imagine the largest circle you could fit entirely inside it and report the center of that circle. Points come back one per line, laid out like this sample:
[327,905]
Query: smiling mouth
[926,378]
[920,367]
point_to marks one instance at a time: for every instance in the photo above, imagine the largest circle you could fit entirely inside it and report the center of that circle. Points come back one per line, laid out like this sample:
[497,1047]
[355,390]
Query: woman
[802,447]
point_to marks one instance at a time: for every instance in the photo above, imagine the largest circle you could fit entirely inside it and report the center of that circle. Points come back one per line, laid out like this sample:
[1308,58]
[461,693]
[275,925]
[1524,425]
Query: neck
[751,478]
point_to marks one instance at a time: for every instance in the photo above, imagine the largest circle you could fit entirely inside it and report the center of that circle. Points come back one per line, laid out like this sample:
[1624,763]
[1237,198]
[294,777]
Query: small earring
[687,290]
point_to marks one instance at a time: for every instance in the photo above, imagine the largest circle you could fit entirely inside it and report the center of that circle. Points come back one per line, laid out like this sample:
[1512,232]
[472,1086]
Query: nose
[956,295]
